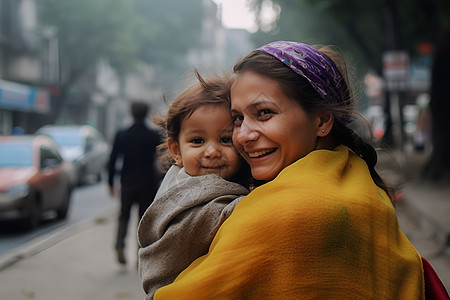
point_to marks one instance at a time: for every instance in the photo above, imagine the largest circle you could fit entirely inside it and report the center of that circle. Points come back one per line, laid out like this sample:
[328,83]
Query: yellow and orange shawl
[320,230]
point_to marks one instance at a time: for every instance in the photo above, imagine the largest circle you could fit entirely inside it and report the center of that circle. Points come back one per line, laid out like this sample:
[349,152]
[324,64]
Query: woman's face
[271,130]
[204,144]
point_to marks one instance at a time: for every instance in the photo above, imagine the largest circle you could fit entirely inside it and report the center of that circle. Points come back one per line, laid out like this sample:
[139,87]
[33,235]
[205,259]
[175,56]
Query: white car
[84,146]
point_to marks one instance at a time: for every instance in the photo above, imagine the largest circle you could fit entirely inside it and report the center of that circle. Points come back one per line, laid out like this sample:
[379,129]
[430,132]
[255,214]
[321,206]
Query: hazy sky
[235,14]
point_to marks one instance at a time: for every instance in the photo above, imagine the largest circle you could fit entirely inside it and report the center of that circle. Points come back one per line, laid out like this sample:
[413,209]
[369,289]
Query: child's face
[204,143]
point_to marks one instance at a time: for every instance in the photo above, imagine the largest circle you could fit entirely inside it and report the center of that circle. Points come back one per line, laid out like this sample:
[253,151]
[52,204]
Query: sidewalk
[426,202]
[82,265]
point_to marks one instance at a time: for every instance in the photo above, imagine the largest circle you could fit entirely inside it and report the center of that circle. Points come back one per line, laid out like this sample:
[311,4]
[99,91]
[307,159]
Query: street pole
[397,125]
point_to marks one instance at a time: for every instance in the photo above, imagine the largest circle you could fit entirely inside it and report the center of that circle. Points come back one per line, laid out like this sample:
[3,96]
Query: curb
[44,242]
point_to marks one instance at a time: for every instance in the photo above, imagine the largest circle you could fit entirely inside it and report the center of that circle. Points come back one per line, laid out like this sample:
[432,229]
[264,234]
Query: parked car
[34,178]
[84,146]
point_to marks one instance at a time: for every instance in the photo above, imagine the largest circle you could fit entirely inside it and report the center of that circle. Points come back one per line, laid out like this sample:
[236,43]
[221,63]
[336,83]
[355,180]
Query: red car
[34,179]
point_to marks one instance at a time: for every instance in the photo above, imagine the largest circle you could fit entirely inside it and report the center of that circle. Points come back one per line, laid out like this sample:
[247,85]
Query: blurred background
[79,62]
[73,66]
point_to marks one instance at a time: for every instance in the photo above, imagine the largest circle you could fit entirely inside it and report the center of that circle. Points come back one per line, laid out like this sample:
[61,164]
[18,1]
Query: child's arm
[180,226]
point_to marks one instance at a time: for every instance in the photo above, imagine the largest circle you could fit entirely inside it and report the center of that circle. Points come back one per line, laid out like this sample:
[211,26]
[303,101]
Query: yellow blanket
[320,230]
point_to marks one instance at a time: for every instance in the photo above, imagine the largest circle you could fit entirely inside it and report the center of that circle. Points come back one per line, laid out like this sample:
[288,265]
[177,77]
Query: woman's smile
[261,153]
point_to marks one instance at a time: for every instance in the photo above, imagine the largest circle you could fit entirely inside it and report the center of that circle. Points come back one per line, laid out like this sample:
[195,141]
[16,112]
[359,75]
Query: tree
[88,31]
[122,32]
[367,29]
[166,31]
[438,166]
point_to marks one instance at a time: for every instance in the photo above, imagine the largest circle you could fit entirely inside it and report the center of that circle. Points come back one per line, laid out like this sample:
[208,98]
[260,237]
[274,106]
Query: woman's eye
[265,114]
[197,141]
[226,140]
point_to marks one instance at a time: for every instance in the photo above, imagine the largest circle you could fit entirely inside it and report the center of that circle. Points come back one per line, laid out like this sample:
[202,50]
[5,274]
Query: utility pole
[395,70]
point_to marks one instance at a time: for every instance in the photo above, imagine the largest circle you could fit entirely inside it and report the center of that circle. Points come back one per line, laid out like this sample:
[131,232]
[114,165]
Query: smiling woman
[323,225]
[263,112]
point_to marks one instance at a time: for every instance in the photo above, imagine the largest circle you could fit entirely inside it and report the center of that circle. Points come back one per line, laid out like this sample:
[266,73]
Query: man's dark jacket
[136,146]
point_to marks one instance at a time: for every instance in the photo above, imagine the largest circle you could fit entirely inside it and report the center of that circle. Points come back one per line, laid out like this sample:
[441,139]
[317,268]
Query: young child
[200,189]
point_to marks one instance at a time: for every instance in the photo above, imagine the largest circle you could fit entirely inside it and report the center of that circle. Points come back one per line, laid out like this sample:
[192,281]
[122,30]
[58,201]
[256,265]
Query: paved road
[86,203]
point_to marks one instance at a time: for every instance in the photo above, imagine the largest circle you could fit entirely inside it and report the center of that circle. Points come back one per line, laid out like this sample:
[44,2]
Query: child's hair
[299,88]
[207,91]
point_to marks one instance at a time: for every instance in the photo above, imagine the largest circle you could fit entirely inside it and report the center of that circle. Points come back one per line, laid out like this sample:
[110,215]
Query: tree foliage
[166,31]
[122,32]
[89,30]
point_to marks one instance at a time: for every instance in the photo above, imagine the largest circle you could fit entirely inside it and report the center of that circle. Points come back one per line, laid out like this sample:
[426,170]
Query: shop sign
[396,70]
[22,97]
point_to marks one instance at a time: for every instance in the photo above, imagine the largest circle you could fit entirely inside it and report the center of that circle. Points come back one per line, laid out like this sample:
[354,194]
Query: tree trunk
[63,94]
[438,165]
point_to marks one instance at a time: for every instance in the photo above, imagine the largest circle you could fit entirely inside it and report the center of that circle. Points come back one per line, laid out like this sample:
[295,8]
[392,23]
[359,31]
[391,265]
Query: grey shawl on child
[180,224]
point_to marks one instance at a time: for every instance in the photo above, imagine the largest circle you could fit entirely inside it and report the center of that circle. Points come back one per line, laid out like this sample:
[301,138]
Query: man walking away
[139,179]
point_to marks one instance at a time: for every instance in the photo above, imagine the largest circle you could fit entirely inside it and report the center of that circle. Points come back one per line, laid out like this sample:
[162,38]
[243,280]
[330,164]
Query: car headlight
[16,192]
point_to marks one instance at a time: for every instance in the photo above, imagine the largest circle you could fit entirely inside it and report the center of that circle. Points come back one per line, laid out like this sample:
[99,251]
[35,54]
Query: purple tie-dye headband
[312,65]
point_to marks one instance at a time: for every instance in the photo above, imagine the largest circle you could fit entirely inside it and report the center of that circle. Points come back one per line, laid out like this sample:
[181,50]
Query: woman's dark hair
[296,87]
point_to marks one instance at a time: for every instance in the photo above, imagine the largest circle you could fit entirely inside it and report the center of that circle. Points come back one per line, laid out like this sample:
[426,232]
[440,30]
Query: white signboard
[396,70]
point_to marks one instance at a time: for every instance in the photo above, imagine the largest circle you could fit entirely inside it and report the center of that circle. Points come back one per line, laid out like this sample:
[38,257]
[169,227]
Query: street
[74,260]
[87,202]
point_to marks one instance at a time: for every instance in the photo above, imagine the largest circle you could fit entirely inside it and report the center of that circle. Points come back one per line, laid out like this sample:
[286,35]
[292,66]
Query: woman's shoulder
[322,173]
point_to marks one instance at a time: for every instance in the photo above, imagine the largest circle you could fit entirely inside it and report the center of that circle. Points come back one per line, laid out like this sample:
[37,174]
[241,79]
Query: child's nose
[212,150]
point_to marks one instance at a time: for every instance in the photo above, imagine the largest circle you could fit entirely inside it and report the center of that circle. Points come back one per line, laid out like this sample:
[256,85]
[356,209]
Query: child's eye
[197,141]
[226,140]
[237,120]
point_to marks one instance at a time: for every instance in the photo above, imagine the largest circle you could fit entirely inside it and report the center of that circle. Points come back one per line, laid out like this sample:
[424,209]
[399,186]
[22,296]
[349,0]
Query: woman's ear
[326,123]
[174,149]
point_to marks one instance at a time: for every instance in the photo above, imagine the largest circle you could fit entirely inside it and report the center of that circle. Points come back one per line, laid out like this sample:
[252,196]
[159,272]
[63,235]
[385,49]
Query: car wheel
[98,177]
[35,213]
[61,212]
[82,176]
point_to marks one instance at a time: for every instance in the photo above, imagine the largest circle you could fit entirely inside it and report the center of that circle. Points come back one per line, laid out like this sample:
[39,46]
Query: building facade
[28,66]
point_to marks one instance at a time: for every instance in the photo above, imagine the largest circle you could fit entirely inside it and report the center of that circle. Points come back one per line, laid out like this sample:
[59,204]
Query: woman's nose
[245,133]
[212,150]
